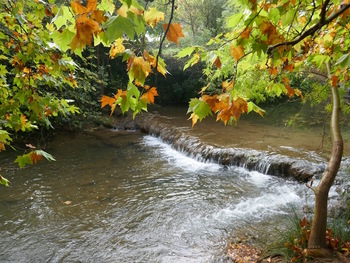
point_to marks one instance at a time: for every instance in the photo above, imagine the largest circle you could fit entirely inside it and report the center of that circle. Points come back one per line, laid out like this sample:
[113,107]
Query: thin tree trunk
[317,245]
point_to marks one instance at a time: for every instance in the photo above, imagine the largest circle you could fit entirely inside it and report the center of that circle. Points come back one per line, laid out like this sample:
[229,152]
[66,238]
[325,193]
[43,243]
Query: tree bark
[317,245]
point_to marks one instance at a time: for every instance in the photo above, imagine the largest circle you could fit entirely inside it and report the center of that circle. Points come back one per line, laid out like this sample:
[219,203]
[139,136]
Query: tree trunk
[317,245]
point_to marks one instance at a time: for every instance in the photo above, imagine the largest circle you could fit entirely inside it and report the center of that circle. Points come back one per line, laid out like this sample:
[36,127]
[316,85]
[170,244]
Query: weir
[254,160]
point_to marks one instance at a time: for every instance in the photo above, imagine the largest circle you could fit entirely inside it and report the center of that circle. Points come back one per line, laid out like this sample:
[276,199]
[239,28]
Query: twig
[323,21]
[166,32]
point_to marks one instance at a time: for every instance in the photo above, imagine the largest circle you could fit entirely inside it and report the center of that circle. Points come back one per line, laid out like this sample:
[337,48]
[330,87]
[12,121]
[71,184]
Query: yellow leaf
[237,52]
[151,59]
[152,17]
[227,85]
[302,20]
[138,69]
[194,118]
[117,47]
[123,11]
[174,32]
[2,147]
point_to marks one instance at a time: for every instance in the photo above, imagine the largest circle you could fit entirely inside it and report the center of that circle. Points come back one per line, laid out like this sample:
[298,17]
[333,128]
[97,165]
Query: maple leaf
[289,67]
[150,94]
[246,33]
[215,103]
[334,80]
[124,9]
[85,29]
[151,59]
[237,52]
[174,32]
[227,85]
[106,100]
[98,16]
[117,47]
[273,71]
[217,62]
[236,108]
[78,9]
[35,157]
[153,17]
[138,69]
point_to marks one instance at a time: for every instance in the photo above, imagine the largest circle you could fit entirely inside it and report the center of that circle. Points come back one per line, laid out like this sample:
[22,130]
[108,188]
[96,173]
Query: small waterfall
[253,160]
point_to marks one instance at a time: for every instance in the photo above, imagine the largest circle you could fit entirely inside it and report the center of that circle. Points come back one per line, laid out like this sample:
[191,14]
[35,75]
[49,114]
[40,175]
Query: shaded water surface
[129,197]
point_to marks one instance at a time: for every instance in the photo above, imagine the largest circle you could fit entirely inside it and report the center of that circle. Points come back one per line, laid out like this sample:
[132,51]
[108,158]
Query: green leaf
[234,20]
[62,40]
[287,19]
[46,155]
[139,23]
[4,137]
[107,5]
[4,181]
[343,60]
[133,91]
[61,18]
[320,59]
[117,25]
[200,108]
[23,160]
[185,52]
[274,15]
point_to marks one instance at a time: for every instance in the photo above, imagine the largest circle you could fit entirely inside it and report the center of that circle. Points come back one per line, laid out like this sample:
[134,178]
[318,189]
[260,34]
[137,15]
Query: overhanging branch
[323,21]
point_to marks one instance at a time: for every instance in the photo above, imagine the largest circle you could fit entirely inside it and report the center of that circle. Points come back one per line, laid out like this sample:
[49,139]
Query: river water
[129,197]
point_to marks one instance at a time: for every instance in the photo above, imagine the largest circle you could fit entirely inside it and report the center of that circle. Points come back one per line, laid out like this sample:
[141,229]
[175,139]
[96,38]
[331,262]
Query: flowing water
[129,197]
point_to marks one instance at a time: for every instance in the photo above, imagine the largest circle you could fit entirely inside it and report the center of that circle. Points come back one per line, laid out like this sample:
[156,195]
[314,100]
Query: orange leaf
[290,91]
[245,34]
[85,29]
[273,71]
[289,67]
[236,108]
[106,100]
[78,9]
[217,62]
[334,80]
[174,32]
[34,157]
[150,94]
[98,16]
[285,80]
[237,52]
[91,5]
[215,103]
[151,59]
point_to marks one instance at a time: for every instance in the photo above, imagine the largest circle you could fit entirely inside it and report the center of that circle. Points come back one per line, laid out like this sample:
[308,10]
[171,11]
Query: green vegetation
[62,60]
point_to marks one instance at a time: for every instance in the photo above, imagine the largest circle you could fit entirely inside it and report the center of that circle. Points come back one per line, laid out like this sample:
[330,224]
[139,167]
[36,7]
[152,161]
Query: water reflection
[126,197]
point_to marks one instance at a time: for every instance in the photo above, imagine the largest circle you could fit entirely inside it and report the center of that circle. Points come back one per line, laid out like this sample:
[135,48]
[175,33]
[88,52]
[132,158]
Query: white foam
[177,158]
[270,202]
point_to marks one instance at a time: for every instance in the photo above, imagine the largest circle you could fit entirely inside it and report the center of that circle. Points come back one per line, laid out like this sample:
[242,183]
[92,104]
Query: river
[125,196]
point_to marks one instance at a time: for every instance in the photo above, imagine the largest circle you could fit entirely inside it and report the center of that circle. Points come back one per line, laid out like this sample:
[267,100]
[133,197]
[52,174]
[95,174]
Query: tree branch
[166,31]
[323,21]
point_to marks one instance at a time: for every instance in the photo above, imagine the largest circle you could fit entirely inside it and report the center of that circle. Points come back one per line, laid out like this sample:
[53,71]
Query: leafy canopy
[276,37]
